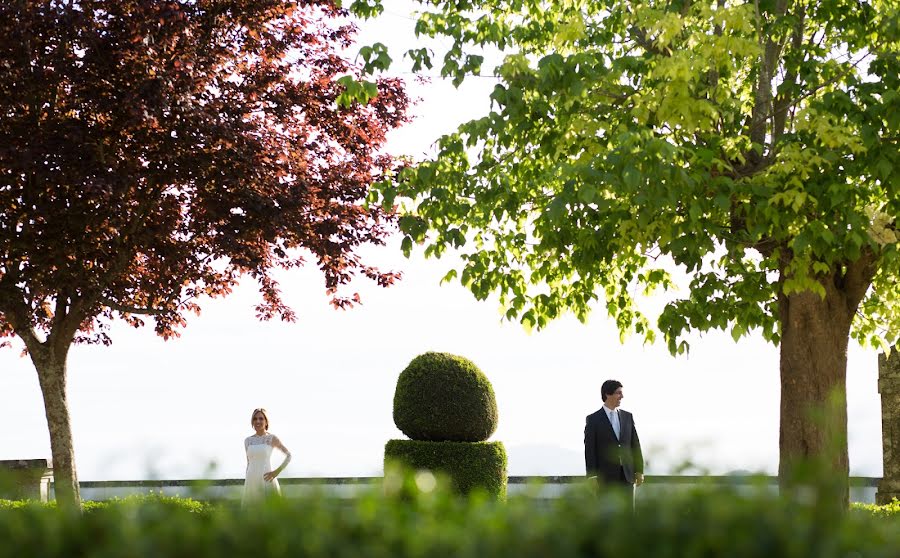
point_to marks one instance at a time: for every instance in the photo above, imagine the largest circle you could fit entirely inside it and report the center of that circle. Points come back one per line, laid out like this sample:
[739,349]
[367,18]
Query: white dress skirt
[259,454]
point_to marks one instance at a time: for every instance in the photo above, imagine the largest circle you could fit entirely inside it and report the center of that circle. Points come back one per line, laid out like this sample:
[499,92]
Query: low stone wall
[889,388]
[26,479]
[862,489]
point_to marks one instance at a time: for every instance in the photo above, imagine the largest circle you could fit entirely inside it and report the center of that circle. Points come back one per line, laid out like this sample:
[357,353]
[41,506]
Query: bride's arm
[276,443]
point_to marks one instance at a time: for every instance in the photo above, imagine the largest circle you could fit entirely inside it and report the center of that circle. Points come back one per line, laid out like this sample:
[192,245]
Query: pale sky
[145,408]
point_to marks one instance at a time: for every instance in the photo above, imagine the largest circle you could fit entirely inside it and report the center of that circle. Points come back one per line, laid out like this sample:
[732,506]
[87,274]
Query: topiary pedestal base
[470,465]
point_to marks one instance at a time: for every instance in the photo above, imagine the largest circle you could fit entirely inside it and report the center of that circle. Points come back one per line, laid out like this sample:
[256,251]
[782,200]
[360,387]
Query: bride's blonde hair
[262,412]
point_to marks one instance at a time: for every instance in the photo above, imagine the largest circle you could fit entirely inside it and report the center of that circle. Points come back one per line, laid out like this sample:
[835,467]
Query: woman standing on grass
[261,482]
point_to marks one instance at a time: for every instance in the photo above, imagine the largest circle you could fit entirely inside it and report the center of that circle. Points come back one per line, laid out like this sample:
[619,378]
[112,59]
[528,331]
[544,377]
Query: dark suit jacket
[605,456]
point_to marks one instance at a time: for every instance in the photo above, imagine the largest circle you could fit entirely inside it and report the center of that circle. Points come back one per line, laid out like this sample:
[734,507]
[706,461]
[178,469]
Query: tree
[152,153]
[753,145]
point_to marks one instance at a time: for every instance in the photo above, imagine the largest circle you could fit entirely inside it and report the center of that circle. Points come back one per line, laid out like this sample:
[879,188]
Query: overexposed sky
[147,408]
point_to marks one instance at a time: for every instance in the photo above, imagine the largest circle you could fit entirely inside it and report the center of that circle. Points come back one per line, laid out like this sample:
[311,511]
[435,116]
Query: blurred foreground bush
[429,521]
[886,510]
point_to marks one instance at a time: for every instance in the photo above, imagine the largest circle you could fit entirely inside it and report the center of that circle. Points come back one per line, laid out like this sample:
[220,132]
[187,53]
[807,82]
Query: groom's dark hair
[609,387]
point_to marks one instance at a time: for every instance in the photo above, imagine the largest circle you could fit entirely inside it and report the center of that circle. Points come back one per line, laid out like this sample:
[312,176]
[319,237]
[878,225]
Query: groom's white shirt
[613,416]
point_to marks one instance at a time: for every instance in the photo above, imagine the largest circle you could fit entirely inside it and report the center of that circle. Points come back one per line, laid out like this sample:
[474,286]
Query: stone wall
[889,388]
[25,479]
[862,489]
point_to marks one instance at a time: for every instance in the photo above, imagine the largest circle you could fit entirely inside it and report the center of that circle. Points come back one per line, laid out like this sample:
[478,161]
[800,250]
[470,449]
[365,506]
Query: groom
[612,449]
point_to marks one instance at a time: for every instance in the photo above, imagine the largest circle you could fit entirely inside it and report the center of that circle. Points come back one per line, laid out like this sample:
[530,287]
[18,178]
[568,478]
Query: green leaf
[738,331]
[631,177]
[406,246]
[556,210]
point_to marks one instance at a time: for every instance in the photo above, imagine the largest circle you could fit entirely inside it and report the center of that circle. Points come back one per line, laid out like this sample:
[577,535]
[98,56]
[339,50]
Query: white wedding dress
[259,453]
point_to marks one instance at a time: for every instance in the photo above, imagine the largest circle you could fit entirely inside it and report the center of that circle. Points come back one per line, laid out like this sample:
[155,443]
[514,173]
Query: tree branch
[782,102]
[80,307]
[60,310]
[640,37]
[125,309]
[16,312]
[858,277]
[762,103]
[766,246]
[756,163]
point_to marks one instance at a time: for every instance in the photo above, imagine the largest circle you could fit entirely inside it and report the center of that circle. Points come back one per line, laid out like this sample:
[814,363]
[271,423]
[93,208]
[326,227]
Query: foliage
[222,167]
[470,466]
[153,153]
[444,397]
[891,510]
[437,524]
[753,144]
[885,510]
[188,504]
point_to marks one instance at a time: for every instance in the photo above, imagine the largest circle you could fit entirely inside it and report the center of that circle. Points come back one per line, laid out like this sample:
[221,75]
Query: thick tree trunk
[813,432]
[50,364]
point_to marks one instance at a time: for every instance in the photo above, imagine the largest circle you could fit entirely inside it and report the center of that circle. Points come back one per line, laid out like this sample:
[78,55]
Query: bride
[260,482]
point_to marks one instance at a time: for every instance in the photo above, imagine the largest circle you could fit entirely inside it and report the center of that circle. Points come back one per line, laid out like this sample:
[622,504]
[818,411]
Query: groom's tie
[614,418]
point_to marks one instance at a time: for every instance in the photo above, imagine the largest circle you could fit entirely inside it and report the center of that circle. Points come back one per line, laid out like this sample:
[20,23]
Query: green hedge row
[891,510]
[885,510]
[434,523]
[189,504]
[470,466]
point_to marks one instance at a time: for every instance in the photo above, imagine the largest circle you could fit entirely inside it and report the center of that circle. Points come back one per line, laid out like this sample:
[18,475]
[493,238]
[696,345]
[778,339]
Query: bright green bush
[433,524]
[443,397]
[469,465]
[189,504]
[885,510]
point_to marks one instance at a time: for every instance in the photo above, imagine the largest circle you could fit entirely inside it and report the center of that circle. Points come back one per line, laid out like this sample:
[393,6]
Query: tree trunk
[813,431]
[50,364]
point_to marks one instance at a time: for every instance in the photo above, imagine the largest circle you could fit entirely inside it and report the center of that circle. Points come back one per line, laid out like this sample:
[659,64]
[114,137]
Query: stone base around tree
[887,492]
[889,388]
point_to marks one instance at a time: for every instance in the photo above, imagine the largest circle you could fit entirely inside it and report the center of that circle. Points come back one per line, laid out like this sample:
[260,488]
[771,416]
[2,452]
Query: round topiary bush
[444,398]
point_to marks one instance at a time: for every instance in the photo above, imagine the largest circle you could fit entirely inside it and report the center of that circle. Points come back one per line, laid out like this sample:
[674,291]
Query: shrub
[443,397]
[470,466]
[16,504]
[435,524]
[885,510]
[188,504]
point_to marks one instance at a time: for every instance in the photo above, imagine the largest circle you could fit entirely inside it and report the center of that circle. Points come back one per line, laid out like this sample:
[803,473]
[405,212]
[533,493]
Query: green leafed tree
[751,145]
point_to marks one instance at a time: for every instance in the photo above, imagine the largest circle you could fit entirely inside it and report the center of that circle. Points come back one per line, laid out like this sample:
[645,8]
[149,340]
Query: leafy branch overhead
[752,144]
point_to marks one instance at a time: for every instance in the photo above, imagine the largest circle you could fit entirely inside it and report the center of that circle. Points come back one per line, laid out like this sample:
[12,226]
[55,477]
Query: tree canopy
[755,144]
[154,152]
[151,153]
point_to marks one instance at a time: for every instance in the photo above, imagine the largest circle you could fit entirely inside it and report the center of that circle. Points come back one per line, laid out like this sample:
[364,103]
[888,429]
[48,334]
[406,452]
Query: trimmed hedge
[443,397]
[470,466]
[434,524]
[891,510]
[189,504]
